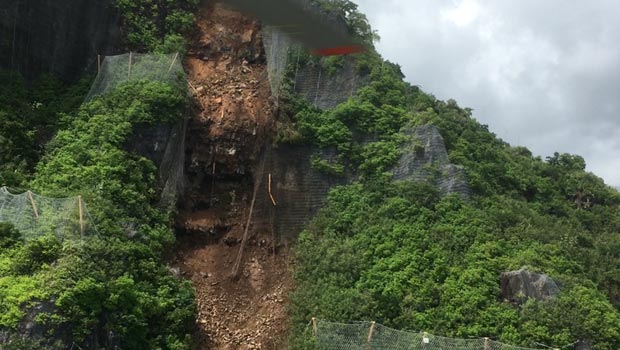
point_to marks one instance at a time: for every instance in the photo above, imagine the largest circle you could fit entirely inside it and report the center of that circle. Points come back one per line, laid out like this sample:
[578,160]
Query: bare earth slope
[233,119]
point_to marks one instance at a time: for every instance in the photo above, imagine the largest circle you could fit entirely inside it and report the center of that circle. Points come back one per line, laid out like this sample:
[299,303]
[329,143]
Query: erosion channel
[232,121]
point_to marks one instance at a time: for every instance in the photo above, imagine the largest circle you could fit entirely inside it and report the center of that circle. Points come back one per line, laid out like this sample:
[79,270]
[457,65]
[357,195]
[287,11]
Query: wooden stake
[212,184]
[34,205]
[98,64]
[237,265]
[81,213]
[173,61]
[270,195]
[129,73]
[314,327]
[370,332]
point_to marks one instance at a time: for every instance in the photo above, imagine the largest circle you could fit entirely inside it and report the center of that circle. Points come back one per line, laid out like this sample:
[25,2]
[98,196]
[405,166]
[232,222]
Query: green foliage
[399,254]
[157,26]
[29,116]
[114,283]
[356,21]
[9,236]
[16,292]
[364,131]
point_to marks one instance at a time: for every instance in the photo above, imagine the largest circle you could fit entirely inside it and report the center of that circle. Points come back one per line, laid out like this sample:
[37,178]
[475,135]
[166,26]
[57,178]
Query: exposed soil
[233,120]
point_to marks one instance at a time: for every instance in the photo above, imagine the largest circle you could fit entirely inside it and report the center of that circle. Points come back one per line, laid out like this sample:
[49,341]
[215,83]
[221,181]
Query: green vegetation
[157,26]
[400,254]
[113,284]
[111,290]
[29,116]
[356,21]
[365,130]
[394,252]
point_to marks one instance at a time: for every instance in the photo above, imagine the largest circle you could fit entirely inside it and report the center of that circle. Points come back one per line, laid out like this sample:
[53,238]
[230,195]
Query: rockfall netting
[323,84]
[163,144]
[34,215]
[116,70]
[291,191]
[278,47]
[373,336]
[57,37]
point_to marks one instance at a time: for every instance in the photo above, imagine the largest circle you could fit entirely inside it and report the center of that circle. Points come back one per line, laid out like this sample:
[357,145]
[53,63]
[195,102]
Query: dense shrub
[399,254]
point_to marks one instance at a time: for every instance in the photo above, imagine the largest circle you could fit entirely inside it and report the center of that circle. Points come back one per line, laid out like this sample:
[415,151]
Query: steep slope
[232,122]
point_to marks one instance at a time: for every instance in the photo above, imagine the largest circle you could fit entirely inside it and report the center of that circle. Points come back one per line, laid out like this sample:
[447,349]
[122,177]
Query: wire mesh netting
[277,50]
[322,84]
[291,191]
[374,336]
[169,142]
[34,215]
[116,70]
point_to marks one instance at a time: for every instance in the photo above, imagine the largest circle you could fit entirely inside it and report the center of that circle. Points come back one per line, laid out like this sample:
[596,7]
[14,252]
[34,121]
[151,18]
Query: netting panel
[298,189]
[35,215]
[277,49]
[340,336]
[373,336]
[325,88]
[116,70]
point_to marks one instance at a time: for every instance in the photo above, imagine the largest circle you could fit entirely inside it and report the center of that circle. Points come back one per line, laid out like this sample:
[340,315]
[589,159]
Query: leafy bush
[29,117]
[114,287]
[157,26]
[399,254]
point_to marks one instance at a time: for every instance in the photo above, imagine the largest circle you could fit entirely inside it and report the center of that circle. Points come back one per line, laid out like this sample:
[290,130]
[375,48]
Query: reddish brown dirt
[228,78]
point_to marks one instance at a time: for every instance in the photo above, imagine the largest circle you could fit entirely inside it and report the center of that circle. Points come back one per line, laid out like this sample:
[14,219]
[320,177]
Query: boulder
[518,286]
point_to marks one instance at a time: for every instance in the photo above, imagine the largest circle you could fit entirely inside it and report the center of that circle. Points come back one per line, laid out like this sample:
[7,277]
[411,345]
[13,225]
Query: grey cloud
[543,74]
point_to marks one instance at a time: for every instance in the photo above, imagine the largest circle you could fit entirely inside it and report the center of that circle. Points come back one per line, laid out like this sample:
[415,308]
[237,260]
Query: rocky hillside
[345,194]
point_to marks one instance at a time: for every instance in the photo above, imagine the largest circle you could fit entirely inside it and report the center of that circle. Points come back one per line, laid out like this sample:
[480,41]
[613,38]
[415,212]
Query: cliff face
[61,37]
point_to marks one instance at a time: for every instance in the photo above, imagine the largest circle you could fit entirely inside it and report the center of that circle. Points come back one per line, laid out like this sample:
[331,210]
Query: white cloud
[463,14]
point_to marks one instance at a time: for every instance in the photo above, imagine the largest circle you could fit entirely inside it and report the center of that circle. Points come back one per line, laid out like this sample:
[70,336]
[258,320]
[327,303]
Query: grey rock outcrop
[425,158]
[31,333]
[518,286]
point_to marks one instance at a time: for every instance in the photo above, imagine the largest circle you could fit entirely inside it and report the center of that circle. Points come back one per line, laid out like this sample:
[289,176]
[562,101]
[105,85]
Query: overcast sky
[541,74]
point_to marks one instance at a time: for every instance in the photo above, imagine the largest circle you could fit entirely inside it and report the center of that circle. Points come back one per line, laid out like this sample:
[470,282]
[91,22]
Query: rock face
[425,158]
[518,286]
[62,37]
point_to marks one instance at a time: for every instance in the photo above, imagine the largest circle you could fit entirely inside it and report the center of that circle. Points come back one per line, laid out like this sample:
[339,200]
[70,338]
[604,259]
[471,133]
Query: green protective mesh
[34,215]
[373,336]
[116,70]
